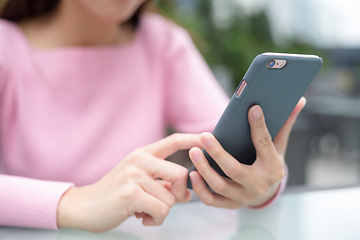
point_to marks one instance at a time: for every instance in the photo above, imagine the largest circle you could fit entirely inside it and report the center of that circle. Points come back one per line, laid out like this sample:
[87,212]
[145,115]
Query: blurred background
[324,148]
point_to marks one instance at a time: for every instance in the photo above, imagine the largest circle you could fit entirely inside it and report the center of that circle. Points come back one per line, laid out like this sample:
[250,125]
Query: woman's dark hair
[18,10]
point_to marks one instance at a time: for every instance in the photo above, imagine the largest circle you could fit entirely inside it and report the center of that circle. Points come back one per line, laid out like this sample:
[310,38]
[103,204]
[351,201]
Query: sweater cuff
[280,190]
[31,203]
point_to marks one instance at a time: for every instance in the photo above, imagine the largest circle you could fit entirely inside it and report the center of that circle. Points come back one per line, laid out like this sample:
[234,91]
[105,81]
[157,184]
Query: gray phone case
[277,91]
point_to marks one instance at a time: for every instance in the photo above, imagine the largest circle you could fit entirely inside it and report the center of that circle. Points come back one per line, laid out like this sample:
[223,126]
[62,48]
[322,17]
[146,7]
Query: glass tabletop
[325,214]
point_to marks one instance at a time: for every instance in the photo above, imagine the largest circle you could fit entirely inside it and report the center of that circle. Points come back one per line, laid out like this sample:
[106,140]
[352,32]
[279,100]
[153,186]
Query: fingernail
[305,100]
[206,140]
[195,156]
[193,178]
[255,112]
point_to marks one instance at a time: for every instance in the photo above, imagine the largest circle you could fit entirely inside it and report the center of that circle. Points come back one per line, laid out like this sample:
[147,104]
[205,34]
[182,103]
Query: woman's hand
[249,185]
[132,187]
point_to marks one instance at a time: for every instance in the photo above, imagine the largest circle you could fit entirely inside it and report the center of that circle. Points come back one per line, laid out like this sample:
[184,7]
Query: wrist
[267,198]
[71,210]
[280,187]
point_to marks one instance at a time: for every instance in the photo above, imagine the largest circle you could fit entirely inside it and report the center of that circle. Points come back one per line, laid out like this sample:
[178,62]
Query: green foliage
[234,46]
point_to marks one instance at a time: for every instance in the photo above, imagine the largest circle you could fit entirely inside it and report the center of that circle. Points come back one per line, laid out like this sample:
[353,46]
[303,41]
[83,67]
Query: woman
[85,85]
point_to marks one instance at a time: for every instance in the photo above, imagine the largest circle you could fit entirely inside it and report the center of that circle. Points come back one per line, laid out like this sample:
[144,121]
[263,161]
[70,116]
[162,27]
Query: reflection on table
[314,215]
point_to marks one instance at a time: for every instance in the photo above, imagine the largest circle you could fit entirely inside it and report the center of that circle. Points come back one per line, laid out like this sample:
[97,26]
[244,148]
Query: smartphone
[275,82]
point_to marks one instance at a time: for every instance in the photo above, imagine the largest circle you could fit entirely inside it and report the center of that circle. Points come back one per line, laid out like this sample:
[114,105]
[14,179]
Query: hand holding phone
[249,185]
[274,81]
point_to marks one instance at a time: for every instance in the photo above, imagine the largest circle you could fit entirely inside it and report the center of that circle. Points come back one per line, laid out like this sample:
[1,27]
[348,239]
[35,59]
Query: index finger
[172,173]
[169,145]
[229,165]
[282,138]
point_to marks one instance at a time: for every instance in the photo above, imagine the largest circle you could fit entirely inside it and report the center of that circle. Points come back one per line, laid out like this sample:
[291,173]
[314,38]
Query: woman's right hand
[132,187]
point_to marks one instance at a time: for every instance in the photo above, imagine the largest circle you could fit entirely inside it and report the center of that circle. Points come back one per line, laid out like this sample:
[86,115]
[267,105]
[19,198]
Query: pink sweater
[69,115]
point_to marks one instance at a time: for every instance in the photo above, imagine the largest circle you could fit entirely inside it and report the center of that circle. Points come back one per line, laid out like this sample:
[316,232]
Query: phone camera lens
[271,63]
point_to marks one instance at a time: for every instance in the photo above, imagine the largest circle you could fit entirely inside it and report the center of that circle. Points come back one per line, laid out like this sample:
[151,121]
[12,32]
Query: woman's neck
[69,25]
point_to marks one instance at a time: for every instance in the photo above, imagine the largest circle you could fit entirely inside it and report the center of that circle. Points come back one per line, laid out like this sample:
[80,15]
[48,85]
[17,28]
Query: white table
[316,215]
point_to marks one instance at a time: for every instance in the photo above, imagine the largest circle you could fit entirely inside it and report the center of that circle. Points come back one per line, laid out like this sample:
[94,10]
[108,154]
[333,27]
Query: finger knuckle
[219,187]
[171,201]
[215,152]
[136,157]
[163,211]
[209,201]
[134,191]
[183,173]
[235,173]
[176,139]
[261,188]
[133,173]
[265,140]
[130,193]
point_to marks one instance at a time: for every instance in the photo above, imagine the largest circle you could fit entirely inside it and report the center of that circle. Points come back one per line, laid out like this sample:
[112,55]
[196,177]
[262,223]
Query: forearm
[26,202]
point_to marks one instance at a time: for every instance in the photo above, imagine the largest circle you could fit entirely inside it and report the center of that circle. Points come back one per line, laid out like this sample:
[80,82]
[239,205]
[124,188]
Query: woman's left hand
[249,185]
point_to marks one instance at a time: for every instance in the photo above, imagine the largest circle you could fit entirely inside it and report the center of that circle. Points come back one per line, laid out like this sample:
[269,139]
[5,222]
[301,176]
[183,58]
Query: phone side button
[241,88]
